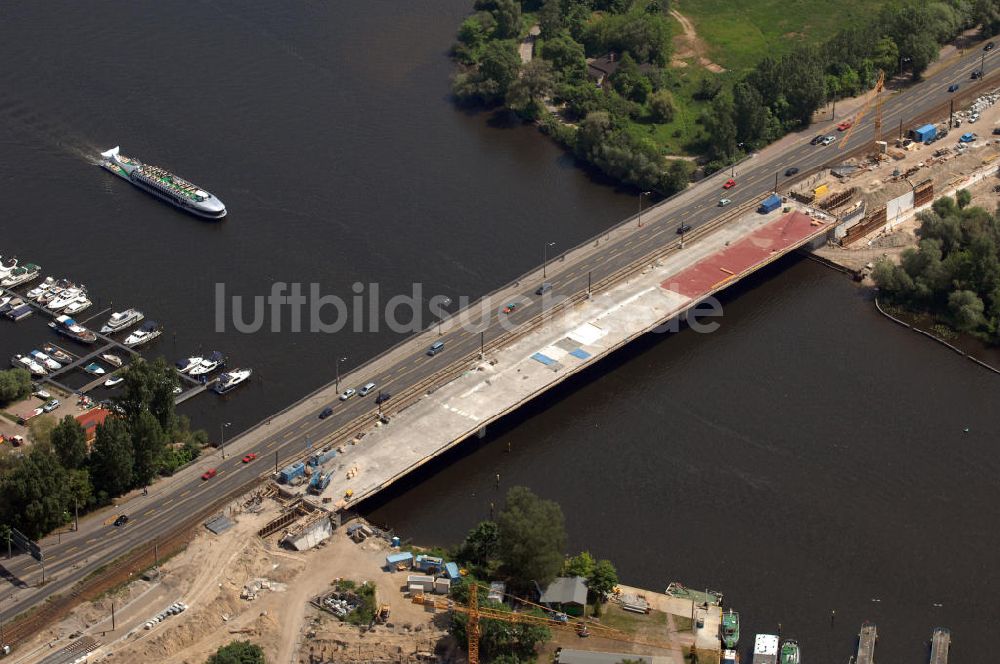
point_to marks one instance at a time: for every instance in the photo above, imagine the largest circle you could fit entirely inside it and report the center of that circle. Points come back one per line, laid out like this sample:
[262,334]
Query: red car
[209,474]
[510,308]
[250,457]
[730,183]
[845,125]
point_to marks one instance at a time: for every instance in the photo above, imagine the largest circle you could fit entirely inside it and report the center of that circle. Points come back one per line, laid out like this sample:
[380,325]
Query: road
[70,557]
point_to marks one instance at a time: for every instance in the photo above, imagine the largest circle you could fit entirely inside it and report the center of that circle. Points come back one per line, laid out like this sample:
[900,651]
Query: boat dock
[940,643]
[866,644]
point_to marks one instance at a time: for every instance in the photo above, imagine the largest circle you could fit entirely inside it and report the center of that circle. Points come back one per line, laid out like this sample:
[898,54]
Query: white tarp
[586,334]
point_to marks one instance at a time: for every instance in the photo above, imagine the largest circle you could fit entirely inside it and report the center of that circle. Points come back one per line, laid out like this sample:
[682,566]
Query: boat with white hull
[121,320]
[230,380]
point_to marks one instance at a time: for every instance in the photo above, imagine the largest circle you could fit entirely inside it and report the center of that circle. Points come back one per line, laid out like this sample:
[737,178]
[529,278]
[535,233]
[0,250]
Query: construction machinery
[554,620]
[875,97]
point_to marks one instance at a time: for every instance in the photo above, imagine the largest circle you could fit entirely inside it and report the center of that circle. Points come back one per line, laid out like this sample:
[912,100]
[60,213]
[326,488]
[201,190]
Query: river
[809,456]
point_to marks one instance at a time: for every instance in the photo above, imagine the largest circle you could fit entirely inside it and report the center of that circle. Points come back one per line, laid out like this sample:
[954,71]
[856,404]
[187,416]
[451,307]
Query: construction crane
[561,622]
[876,97]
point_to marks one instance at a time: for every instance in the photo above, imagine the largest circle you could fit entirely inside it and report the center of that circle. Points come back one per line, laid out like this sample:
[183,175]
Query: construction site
[877,195]
[280,570]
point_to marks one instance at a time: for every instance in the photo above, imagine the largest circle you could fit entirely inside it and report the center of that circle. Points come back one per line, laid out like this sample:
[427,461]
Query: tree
[238,652]
[149,386]
[536,82]
[550,19]
[963,197]
[507,14]
[749,112]
[532,537]
[661,106]
[581,564]
[966,309]
[147,448]
[15,384]
[36,493]
[69,441]
[488,84]
[603,579]
[567,58]
[482,544]
[720,125]
[987,14]
[111,460]
[629,82]
[500,640]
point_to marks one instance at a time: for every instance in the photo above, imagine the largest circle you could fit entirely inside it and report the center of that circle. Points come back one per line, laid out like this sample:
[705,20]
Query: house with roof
[90,420]
[601,69]
[567,594]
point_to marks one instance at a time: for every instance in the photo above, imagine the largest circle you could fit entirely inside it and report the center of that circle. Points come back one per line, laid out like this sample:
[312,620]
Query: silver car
[366,388]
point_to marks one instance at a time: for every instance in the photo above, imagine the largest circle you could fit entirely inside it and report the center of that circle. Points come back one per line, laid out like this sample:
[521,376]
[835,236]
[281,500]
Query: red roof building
[90,420]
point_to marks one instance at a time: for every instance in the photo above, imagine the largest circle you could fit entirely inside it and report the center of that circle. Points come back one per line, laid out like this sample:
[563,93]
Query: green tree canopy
[567,58]
[603,579]
[111,460]
[147,448]
[516,642]
[149,386]
[238,652]
[532,538]
[482,544]
[535,83]
[36,493]
[581,564]
[69,441]
[15,384]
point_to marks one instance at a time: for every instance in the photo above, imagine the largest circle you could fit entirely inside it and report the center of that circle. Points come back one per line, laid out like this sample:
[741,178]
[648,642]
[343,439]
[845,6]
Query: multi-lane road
[70,557]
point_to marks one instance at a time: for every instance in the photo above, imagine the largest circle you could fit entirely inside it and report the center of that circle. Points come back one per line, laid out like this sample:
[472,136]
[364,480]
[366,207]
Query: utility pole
[833,115]
[588,297]
[776,182]
[339,360]
[156,555]
[222,437]
[482,351]
[276,462]
[112,615]
[901,129]
[951,113]
[76,515]
[545,256]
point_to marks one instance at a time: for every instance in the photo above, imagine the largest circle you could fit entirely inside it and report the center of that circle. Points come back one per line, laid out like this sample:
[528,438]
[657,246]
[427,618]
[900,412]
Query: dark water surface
[809,456]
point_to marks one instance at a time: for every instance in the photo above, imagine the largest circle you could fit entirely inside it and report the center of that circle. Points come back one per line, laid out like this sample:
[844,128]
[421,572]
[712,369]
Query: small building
[429,564]
[566,594]
[394,559]
[442,586]
[422,581]
[90,421]
[451,571]
[601,69]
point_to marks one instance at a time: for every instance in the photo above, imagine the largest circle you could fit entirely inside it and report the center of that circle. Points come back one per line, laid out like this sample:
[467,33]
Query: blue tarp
[544,359]
[451,569]
[580,353]
[394,558]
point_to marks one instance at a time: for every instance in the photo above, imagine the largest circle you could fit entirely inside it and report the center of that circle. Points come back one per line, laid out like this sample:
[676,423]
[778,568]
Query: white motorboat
[230,380]
[45,360]
[149,331]
[121,320]
[114,381]
[57,353]
[208,365]
[21,274]
[78,305]
[65,298]
[22,362]
[187,364]
[95,369]
[40,289]
[112,359]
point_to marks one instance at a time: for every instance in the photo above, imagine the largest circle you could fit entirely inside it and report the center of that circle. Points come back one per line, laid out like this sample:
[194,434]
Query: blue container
[395,542]
[451,570]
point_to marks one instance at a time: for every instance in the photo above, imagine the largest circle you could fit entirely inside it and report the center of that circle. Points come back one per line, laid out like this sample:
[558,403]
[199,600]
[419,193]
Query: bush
[15,384]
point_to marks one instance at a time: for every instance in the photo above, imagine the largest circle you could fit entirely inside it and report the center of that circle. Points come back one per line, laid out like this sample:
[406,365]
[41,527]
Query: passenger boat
[230,380]
[65,298]
[188,363]
[121,319]
[21,274]
[95,369]
[45,360]
[78,305]
[208,365]
[730,629]
[68,327]
[57,354]
[114,381]
[22,362]
[789,652]
[112,359]
[149,331]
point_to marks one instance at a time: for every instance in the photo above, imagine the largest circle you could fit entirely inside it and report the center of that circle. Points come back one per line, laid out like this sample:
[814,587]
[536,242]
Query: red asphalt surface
[760,247]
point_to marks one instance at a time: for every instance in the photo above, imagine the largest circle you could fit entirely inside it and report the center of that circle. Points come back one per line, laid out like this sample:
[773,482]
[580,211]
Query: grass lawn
[739,33]
[677,136]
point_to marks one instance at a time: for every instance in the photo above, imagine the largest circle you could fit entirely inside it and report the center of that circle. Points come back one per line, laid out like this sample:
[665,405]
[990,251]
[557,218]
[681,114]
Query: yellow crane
[476,613]
[876,97]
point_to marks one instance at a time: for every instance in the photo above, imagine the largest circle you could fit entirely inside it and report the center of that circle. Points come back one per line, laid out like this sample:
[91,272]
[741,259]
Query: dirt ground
[209,577]
[689,45]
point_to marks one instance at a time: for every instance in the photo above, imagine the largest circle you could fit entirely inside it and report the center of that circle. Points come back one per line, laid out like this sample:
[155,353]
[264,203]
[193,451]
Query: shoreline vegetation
[597,76]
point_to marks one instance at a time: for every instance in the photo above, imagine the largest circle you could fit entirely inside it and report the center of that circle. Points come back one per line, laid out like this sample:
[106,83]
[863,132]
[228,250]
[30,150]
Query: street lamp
[444,303]
[337,363]
[641,194]
[545,256]
[222,437]
[903,59]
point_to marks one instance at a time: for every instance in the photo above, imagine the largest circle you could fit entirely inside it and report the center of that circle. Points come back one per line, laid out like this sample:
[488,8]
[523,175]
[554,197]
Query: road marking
[168,502]
[148,512]
[71,550]
[186,493]
[92,540]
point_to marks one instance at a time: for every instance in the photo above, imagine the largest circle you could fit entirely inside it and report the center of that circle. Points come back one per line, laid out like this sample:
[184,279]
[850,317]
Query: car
[209,474]
[723,202]
[347,394]
[42,394]
[510,308]
[327,412]
[828,139]
[989,46]
[996,132]
[816,140]
[250,457]
[16,441]
[789,172]
[730,183]
[973,119]
[845,125]
[121,520]
[976,73]
[435,348]
[50,405]
[383,397]
[953,87]
[683,228]
[543,289]
[366,388]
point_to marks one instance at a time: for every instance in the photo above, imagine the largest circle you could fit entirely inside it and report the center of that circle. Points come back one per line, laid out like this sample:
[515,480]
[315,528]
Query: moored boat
[230,380]
[112,359]
[149,331]
[789,652]
[95,369]
[68,327]
[45,360]
[57,354]
[22,362]
[209,364]
[765,649]
[78,305]
[40,289]
[730,629]
[65,298]
[18,310]
[21,274]
[113,381]
[188,363]
[122,319]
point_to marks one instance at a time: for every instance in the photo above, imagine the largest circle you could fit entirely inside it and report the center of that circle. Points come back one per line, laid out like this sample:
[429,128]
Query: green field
[741,32]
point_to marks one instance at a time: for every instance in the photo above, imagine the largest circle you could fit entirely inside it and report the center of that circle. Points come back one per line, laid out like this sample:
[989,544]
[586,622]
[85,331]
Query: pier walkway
[866,644]
[940,644]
